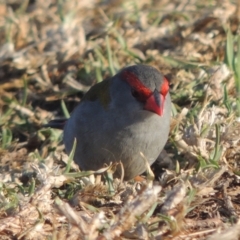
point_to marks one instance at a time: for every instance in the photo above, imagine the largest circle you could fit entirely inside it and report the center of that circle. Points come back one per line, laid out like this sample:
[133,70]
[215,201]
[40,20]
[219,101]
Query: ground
[52,52]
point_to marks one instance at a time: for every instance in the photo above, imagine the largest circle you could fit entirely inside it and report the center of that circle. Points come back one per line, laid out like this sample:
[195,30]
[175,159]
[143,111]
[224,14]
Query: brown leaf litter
[55,50]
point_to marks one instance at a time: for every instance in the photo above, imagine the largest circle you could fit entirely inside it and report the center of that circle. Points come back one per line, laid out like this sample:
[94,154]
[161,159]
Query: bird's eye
[137,95]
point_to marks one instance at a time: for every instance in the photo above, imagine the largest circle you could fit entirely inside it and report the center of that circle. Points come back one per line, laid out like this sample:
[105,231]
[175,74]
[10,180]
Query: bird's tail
[56,123]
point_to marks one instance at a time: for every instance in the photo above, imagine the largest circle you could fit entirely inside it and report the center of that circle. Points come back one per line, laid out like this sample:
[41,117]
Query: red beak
[155,103]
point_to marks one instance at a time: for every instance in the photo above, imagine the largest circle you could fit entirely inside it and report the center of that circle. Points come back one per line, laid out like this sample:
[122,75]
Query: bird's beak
[155,103]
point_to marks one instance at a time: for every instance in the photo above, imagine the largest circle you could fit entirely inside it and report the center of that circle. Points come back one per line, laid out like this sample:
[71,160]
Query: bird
[121,119]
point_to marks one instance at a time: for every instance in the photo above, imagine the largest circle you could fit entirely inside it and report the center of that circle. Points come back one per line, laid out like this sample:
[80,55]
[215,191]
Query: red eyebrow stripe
[135,83]
[165,87]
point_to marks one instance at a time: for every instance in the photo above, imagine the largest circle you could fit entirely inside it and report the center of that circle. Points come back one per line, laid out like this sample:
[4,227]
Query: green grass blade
[71,156]
[64,108]
[110,58]
[229,49]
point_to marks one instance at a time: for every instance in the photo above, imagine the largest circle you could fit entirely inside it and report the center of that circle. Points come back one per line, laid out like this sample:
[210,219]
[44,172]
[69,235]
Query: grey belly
[123,144]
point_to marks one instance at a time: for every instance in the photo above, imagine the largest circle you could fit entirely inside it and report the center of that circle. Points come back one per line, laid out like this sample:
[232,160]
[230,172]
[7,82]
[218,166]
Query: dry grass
[51,52]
